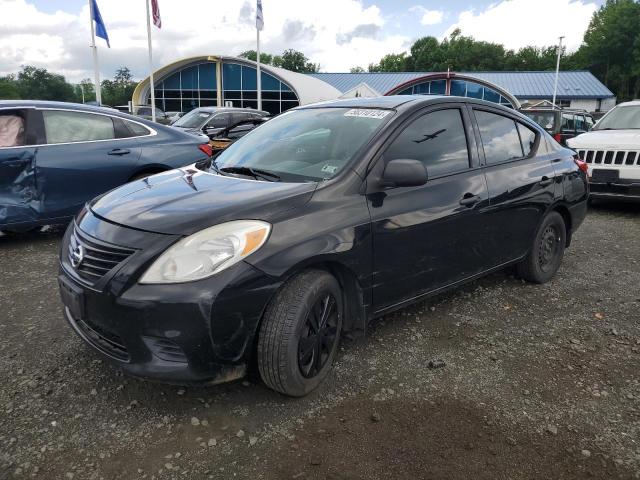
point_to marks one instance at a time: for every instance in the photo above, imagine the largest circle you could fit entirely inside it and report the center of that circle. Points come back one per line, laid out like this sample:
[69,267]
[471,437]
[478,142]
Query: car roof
[52,104]
[229,109]
[633,103]
[399,102]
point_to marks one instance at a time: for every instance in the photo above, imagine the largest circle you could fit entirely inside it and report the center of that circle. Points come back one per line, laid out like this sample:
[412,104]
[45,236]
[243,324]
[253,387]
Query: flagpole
[555,83]
[151,84]
[258,71]
[95,55]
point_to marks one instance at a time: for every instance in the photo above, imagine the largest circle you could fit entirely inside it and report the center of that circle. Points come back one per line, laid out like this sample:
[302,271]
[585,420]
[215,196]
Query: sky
[337,34]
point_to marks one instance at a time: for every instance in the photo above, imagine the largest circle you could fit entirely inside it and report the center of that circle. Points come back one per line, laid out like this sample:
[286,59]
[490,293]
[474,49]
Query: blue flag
[101,30]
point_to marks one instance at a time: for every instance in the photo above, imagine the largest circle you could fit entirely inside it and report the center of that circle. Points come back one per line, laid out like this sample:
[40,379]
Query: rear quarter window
[500,138]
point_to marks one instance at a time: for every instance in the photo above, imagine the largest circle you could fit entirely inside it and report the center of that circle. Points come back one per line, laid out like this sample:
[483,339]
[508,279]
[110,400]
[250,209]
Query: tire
[547,250]
[291,358]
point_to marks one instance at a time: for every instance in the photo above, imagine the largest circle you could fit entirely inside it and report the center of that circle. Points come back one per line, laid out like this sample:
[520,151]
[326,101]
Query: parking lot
[499,379]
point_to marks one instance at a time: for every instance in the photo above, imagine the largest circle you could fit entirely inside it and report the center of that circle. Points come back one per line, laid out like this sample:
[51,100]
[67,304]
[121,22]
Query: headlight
[208,252]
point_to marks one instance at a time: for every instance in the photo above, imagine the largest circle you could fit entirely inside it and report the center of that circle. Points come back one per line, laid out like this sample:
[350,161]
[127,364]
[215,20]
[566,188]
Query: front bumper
[621,189]
[196,332]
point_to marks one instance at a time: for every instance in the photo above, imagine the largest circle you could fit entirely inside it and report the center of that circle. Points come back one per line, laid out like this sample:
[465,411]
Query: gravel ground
[497,380]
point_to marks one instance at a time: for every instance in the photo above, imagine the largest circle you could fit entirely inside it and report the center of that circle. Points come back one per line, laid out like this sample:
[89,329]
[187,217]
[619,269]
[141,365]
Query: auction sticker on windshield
[367,113]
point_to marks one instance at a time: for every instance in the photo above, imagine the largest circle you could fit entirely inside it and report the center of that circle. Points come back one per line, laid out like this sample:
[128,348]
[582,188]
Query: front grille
[610,157]
[108,342]
[92,259]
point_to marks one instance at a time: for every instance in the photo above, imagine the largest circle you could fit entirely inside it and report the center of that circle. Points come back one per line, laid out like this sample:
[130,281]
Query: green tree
[393,62]
[356,70]
[85,91]
[38,84]
[265,58]
[611,46]
[8,88]
[119,90]
[295,61]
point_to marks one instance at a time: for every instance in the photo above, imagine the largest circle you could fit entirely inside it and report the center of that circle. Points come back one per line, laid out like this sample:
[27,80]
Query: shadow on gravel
[50,232]
[441,439]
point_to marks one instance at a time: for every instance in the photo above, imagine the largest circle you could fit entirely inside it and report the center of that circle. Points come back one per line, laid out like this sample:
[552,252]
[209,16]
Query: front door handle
[119,151]
[469,199]
[546,181]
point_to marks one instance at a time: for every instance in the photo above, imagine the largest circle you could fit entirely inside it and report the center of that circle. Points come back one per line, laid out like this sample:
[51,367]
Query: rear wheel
[300,333]
[547,250]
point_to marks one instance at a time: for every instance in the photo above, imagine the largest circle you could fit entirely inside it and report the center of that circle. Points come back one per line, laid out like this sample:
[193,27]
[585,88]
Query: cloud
[519,23]
[432,17]
[369,30]
[339,35]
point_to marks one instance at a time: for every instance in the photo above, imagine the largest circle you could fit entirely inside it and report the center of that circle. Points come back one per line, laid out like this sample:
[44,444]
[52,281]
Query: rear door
[521,180]
[430,236]
[18,196]
[82,158]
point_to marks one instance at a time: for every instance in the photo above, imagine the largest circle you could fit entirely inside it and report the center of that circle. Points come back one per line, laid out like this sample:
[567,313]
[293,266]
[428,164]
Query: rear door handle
[546,181]
[119,151]
[469,199]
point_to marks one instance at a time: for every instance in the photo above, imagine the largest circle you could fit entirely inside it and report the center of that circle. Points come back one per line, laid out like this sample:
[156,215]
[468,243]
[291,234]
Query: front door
[18,196]
[431,236]
[82,158]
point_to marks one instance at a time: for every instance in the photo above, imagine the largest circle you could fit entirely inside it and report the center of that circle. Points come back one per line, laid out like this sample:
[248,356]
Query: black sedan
[56,156]
[309,227]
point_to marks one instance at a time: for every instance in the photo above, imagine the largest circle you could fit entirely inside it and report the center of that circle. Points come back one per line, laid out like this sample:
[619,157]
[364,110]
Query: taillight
[558,138]
[582,165]
[206,148]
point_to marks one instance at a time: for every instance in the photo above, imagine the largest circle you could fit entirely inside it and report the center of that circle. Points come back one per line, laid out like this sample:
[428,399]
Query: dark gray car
[212,120]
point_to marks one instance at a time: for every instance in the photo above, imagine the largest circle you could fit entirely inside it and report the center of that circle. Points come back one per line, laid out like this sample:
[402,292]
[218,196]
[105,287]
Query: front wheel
[300,333]
[547,250]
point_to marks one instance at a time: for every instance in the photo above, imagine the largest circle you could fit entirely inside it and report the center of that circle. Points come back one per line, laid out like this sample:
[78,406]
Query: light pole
[555,84]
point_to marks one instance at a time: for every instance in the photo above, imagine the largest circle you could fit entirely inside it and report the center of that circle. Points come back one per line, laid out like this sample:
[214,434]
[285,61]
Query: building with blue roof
[230,81]
[576,89]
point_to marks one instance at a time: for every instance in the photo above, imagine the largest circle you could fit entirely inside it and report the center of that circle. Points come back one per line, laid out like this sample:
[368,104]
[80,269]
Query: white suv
[612,152]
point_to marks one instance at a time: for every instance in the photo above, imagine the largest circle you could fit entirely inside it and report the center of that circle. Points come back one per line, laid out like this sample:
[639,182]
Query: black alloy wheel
[319,335]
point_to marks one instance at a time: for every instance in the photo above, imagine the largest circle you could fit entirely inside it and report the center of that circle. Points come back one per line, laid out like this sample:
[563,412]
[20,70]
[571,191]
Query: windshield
[193,119]
[546,120]
[305,145]
[620,118]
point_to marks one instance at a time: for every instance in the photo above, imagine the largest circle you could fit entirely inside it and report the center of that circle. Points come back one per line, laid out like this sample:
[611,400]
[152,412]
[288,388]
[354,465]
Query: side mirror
[404,172]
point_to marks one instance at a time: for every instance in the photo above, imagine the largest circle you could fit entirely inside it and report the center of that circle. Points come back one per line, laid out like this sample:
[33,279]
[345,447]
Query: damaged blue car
[56,156]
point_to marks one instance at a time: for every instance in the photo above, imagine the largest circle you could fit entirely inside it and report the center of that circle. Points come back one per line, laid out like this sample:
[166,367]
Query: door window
[128,129]
[500,137]
[67,127]
[581,125]
[12,128]
[437,139]
[221,120]
[568,123]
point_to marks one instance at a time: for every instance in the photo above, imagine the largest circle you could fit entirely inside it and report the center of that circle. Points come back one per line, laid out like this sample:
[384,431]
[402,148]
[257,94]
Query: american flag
[156,13]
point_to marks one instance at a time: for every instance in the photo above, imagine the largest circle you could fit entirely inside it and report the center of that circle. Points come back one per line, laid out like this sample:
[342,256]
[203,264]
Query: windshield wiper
[253,172]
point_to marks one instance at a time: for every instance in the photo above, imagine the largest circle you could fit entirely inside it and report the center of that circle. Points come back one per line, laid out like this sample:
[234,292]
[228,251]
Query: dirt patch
[429,439]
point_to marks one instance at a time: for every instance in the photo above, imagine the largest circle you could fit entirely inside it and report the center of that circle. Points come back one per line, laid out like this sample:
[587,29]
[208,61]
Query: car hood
[607,139]
[186,200]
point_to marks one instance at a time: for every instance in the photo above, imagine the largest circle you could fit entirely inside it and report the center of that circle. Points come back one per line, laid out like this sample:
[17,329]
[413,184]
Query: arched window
[197,86]
[239,86]
[191,87]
